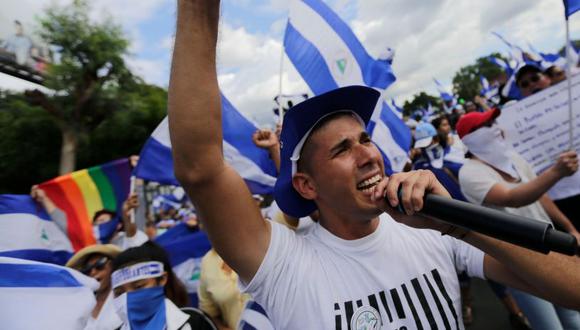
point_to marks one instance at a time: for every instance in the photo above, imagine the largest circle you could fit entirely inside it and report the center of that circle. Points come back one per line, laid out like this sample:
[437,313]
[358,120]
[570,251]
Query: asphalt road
[488,312]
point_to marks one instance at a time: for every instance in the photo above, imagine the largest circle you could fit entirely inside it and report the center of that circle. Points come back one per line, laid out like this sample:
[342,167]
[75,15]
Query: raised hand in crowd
[129,206]
[567,163]
[39,196]
[266,139]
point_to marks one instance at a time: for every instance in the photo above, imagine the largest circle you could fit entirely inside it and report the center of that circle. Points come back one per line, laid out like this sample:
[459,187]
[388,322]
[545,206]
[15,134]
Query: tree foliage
[466,81]
[89,77]
[421,101]
[30,142]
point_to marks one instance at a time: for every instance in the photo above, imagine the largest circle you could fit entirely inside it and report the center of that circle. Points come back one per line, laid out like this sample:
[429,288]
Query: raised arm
[224,204]
[531,191]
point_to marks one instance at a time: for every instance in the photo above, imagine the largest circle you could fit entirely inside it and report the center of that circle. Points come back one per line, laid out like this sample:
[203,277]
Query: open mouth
[369,183]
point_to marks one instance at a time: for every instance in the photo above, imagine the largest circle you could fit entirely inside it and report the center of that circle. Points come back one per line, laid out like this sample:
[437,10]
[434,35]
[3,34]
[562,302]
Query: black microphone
[529,233]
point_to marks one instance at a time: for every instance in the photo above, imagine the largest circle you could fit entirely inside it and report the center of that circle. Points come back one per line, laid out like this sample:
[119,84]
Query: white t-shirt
[457,151]
[395,277]
[124,242]
[477,178]
[107,318]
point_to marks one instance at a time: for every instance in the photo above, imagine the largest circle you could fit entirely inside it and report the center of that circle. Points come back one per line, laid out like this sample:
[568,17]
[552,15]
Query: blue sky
[431,38]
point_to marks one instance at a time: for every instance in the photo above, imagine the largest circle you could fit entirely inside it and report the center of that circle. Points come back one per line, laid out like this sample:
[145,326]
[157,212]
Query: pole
[569,79]
[280,107]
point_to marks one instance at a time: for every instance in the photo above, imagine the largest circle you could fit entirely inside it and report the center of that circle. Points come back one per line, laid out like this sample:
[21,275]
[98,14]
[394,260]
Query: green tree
[88,80]
[466,81]
[421,101]
[29,145]
[30,141]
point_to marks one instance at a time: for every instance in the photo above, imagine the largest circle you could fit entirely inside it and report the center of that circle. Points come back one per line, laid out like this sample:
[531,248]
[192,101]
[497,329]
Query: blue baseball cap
[424,133]
[298,124]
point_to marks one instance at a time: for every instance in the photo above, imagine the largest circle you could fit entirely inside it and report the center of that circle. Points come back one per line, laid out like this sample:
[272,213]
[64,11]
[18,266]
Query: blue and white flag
[570,7]
[502,64]
[186,247]
[328,55]
[516,53]
[398,111]
[36,295]
[252,163]
[488,91]
[26,232]
[445,95]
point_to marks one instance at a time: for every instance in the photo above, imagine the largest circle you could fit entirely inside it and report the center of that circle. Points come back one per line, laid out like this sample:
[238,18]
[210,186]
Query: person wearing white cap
[359,267]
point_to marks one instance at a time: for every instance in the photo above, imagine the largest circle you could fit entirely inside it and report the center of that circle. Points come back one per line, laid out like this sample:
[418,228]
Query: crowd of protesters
[289,256]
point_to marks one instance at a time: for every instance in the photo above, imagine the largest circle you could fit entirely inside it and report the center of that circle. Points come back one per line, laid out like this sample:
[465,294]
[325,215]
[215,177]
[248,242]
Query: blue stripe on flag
[10,204]
[41,255]
[375,73]
[156,163]
[571,6]
[309,62]
[37,276]
[399,130]
[182,243]
[237,131]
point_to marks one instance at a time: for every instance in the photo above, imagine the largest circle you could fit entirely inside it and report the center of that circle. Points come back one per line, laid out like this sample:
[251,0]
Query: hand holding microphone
[424,203]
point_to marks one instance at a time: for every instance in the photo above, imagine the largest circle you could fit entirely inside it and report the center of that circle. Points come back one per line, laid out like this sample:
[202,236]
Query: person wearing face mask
[148,295]
[496,176]
[107,227]
[95,261]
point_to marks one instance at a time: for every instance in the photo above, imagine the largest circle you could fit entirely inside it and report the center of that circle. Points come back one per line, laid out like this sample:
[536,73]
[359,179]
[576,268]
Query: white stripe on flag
[331,47]
[245,167]
[62,302]
[161,133]
[384,139]
[24,231]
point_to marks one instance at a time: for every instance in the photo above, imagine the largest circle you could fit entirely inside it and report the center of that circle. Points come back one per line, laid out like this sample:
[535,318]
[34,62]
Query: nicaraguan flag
[252,163]
[36,295]
[571,6]
[186,247]
[398,111]
[445,95]
[328,55]
[26,232]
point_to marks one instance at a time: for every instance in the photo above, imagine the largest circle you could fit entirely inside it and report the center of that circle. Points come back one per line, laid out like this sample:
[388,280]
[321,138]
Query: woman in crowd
[148,295]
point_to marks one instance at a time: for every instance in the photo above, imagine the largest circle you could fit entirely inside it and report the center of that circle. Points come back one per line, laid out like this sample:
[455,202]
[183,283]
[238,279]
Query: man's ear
[304,185]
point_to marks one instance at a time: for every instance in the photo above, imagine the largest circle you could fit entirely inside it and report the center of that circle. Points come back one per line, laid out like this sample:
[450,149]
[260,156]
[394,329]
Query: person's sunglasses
[99,265]
[533,79]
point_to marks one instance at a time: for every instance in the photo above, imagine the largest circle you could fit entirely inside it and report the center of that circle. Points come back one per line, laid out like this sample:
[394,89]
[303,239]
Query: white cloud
[431,38]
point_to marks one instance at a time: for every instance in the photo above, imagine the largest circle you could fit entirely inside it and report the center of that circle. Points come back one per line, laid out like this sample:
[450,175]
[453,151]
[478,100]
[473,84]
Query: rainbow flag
[82,193]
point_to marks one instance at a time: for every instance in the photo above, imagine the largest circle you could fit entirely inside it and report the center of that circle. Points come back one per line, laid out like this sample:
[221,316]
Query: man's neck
[349,229]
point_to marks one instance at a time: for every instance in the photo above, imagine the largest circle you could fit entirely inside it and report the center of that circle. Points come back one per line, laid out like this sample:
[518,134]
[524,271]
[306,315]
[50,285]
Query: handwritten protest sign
[538,128]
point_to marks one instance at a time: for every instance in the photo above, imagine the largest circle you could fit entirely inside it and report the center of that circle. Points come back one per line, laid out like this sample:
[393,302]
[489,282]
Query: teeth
[369,183]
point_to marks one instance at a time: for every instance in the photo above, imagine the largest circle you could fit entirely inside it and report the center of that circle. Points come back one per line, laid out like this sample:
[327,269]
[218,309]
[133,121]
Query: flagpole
[280,107]
[569,79]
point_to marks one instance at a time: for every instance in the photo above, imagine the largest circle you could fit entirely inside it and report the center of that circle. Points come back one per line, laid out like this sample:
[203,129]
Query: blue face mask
[142,309]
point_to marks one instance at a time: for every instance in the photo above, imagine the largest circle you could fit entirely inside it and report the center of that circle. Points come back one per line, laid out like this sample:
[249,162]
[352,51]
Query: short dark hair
[528,68]
[150,251]
[437,121]
[97,214]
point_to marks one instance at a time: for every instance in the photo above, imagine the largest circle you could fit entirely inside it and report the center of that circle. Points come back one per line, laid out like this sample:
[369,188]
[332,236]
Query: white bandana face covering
[142,270]
[488,145]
